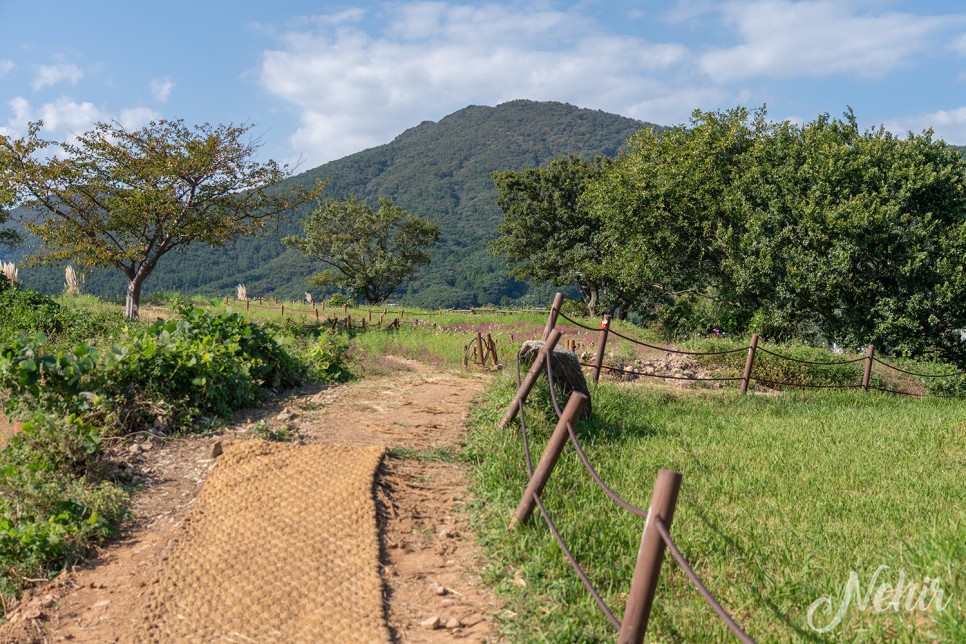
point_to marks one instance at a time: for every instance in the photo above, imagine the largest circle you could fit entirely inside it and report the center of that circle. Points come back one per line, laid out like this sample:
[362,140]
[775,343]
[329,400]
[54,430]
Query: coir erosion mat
[280,546]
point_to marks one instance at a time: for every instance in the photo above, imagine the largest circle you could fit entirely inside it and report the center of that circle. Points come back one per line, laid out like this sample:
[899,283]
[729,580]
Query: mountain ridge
[436,169]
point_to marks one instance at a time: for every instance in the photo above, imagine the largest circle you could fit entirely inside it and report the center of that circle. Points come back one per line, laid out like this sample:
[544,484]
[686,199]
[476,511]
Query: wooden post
[552,318]
[316,315]
[549,458]
[869,355]
[283,310]
[323,306]
[637,610]
[345,309]
[247,305]
[492,345]
[479,347]
[531,378]
[601,344]
[370,315]
[749,363]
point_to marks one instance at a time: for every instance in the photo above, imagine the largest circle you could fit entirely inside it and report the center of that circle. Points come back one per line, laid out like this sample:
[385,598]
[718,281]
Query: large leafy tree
[370,253]
[125,198]
[547,233]
[813,231]
[860,235]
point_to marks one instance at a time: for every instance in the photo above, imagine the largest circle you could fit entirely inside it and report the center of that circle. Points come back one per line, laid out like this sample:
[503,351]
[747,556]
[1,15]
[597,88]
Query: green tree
[125,198]
[816,231]
[371,251]
[863,241]
[547,233]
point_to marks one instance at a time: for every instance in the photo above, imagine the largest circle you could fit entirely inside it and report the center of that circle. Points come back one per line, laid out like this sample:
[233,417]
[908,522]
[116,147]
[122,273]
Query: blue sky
[321,80]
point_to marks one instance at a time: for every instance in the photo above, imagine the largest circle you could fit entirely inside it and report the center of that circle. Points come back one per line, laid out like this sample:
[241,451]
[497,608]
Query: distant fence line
[752,350]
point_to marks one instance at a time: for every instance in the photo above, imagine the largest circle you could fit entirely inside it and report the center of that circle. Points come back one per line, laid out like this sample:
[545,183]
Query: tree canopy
[125,198]
[371,251]
[818,231]
[547,233]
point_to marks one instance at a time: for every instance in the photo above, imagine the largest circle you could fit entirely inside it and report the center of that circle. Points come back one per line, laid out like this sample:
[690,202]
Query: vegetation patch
[783,496]
[59,491]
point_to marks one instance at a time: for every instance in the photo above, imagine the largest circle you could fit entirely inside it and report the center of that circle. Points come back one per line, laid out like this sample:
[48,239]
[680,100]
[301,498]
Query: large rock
[568,375]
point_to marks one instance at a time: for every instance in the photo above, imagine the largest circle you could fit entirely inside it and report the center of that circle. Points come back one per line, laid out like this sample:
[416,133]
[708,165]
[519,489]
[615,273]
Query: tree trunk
[590,294]
[592,299]
[133,303]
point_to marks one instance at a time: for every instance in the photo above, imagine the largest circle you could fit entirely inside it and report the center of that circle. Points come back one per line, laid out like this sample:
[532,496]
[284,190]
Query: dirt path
[428,558]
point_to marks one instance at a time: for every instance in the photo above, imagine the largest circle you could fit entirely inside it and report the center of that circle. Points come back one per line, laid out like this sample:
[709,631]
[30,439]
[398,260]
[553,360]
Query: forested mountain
[436,170]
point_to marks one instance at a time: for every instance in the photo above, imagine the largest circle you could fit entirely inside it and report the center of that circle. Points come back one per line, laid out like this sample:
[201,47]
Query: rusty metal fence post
[555,446]
[531,378]
[552,318]
[649,559]
[749,363]
[601,344]
[867,374]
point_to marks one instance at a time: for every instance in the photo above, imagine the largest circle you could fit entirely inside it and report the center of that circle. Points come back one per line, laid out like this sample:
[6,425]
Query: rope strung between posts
[616,498]
[653,375]
[601,604]
[801,384]
[760,348]
[813,362]
[681,351]
[920,375]
[693,576]
[574,322]
[905,393]
[659,524]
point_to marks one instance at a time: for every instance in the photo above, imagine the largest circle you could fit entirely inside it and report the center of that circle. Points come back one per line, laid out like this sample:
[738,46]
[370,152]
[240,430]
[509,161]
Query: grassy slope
[782,497]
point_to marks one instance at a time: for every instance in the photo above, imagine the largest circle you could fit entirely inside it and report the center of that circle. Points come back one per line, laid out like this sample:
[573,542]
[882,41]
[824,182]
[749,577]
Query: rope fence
[656,534]
[749,376]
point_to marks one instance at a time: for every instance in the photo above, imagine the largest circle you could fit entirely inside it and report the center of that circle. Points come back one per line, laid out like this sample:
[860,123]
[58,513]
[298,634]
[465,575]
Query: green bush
[203,364]
[27,312]
[53,504]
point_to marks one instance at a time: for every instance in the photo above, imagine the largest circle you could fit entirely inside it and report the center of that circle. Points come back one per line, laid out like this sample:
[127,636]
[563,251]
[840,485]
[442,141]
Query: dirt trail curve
[427,562]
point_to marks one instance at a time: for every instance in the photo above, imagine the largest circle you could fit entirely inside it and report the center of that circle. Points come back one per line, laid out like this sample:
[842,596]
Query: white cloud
[356,90]
[161,88]
[6,66]
[784,39]
[949,125]
[65,118]
[137,117]
[52,74]
[958,45]
[353,14]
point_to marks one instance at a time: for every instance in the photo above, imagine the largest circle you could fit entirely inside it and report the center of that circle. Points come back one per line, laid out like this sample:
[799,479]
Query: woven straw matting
[280,546]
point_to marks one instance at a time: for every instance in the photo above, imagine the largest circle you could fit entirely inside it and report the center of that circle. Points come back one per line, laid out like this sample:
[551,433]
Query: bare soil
[429,559]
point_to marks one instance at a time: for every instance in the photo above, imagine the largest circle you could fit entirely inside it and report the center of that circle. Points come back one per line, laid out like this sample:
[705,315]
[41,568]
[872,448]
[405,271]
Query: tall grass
[782,497]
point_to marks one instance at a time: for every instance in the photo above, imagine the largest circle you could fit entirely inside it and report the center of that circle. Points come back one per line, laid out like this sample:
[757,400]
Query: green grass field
[782,496]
